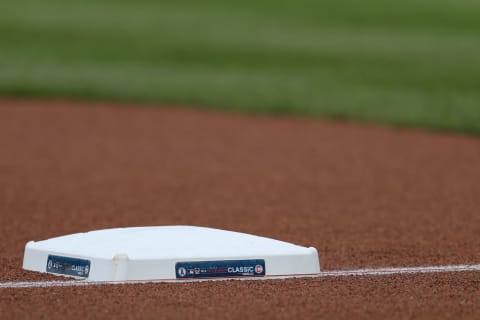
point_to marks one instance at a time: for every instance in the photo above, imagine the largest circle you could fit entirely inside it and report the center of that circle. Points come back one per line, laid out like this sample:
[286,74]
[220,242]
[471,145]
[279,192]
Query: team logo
[182,272]
[258,269]
[49,264]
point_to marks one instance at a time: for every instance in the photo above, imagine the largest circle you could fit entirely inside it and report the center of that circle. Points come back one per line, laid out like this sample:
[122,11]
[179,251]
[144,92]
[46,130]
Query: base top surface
[172,242]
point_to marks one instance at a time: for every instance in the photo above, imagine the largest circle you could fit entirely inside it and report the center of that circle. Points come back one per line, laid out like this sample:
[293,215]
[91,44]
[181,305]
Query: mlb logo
[182,272]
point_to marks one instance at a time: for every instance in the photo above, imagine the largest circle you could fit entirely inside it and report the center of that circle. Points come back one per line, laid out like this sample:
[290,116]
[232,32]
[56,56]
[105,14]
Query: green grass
[409,63]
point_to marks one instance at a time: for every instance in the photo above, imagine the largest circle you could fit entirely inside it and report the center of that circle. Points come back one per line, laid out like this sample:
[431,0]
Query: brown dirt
[363,196]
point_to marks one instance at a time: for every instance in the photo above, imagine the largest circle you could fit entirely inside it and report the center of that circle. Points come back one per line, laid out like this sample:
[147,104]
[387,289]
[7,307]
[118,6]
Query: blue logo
[68,266]
[220,268]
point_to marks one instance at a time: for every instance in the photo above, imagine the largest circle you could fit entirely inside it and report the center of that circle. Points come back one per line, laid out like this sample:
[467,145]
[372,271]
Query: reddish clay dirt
[363,196]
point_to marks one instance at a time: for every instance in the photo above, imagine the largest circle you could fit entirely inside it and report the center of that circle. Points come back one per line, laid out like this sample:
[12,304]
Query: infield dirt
[363,196]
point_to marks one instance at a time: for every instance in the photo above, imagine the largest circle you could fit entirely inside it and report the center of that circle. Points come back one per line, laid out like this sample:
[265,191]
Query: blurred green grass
[408,63]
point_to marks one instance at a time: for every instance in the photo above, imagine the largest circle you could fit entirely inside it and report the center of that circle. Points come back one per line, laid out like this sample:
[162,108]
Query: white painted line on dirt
[406,270]
[335,273]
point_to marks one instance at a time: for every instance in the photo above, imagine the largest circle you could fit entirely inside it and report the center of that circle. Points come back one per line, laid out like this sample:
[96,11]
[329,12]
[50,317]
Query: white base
[168,253]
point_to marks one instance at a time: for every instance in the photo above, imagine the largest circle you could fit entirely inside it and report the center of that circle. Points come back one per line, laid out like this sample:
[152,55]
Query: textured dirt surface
[363,196]
[424,297]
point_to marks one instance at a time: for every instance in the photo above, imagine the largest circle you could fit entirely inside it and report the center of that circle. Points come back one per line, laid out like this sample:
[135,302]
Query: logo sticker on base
[220,268]
[68,266]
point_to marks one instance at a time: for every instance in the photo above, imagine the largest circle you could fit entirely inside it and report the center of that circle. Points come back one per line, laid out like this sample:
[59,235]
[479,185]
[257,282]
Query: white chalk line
[335,273]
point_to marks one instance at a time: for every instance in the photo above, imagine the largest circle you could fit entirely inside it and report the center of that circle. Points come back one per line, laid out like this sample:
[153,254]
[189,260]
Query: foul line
[336,273]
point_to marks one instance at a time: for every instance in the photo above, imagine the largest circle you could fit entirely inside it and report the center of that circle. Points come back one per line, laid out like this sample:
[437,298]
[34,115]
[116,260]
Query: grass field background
[412,62]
